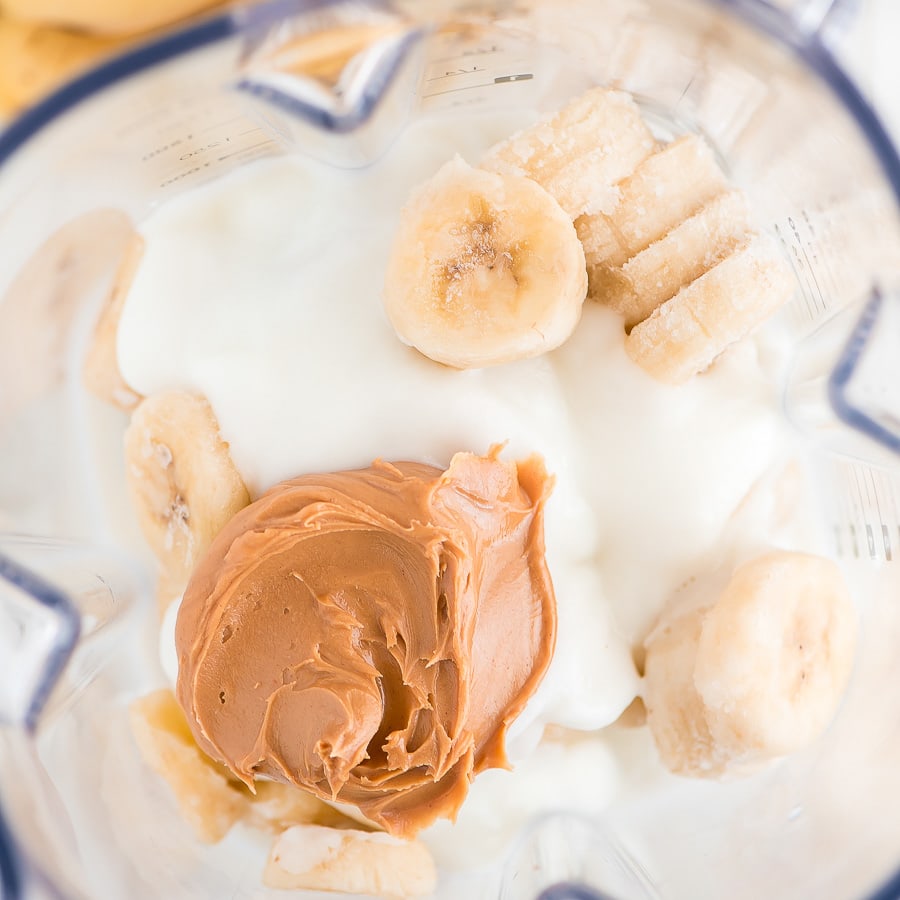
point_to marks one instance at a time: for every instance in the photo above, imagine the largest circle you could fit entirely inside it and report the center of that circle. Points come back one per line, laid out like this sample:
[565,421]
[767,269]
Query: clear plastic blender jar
[76,637]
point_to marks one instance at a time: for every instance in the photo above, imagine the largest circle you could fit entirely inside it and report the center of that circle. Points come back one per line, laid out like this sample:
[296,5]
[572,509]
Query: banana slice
[118,17]
[580,152]
[276,806]
[634,715]
[35,59]
[485,269]
[756,676]
[684,335]
[101,366]
[309,857]
[209,801]
[688,251]
[664,190]
[183,483]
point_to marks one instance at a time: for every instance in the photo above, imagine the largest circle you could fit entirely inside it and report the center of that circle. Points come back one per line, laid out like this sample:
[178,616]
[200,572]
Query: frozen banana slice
[101,366]
[664,190]
[183,483]
[580,152]
[675,713]
[688,251]
[279,806]
[120,17]
[209,801]
[757,675]
[684,335]
[309,857]
[485,269]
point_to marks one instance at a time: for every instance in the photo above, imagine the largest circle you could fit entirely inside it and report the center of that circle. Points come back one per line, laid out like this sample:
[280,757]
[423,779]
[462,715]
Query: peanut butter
[369,635]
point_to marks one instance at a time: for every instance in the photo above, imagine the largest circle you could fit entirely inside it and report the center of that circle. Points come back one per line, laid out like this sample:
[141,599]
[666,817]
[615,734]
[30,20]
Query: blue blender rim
[759,14]
[807,46]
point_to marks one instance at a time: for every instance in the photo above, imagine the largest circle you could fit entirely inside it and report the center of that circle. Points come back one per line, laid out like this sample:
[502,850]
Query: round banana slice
[485,269]
[105,16]
[756,676]
[775,653]
[183,483]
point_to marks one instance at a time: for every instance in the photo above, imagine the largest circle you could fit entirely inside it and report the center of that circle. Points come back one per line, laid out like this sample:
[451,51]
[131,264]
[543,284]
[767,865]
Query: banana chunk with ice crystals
[485,269]
[309,857]
[183,483]
[685,334]
[666,188]
[757,675]
[581,152]
[687,252]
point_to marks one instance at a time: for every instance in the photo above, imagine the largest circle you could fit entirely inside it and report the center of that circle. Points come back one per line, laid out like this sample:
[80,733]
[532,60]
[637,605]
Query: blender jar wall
[809,171]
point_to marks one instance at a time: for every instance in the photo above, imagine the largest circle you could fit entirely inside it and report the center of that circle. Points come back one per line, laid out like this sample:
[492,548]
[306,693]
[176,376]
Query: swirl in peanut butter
[370,635]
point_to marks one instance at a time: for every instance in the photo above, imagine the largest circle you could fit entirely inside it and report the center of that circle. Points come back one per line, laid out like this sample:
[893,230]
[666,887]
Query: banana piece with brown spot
[182,480]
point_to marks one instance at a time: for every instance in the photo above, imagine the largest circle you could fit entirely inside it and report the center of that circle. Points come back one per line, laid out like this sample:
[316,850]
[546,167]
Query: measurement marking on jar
[865,506]
[508,79]
[876,493]
[809,266]
[454,73]
[246,149]
[816,243]
[794,260]
[687,87]
[500,79]
[479,51]
[892,493]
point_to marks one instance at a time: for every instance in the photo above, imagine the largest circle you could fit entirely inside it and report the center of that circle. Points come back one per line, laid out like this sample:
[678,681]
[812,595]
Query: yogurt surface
[262,292]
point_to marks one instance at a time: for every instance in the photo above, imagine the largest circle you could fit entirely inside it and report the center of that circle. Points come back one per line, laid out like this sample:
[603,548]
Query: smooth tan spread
[370,635]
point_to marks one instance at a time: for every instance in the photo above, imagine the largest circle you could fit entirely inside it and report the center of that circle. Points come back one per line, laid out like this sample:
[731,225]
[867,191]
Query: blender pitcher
[77,642]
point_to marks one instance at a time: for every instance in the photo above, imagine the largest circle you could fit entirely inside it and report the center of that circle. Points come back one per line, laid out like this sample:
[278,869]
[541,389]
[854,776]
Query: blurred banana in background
[44,43]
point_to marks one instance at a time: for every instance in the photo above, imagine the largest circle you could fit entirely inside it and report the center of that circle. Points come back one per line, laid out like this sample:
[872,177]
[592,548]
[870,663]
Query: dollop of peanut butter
[370,635]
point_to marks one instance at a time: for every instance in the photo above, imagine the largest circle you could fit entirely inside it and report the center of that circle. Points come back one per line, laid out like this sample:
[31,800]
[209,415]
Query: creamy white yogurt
[262,292]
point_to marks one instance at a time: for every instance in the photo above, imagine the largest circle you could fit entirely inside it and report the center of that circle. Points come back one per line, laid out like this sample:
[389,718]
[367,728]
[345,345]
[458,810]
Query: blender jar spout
[44,630]
[334,79]
[821,19]
[814,15]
